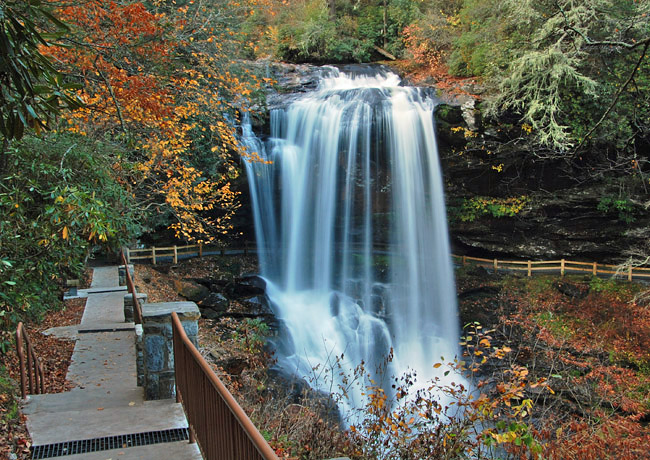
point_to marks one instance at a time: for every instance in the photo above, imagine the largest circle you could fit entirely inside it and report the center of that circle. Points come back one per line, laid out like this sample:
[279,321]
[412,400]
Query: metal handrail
[217,422]
[33,373]
[137,309]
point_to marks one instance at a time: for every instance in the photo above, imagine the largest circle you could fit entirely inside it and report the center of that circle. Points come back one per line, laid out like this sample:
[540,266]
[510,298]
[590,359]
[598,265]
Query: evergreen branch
[616,98]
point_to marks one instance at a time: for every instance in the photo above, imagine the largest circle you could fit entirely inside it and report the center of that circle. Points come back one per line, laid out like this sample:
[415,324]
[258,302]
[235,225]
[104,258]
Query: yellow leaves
[64,233]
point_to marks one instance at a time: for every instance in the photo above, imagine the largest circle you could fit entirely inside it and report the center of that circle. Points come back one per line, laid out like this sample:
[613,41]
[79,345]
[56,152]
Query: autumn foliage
[588,337]
[163,81]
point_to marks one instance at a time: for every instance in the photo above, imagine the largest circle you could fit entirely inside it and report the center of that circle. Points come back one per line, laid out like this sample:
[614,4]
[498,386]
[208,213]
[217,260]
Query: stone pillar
[158,346]
[121,272]
[139,354]
[128,305]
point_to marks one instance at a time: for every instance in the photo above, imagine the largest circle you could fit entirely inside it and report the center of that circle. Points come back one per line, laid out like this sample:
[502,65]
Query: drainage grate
[109,442]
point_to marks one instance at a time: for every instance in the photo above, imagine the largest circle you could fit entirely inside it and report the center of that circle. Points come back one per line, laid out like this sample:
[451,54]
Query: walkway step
[97,421]
[104,308]
[81,399]
[105,277]
[104,359]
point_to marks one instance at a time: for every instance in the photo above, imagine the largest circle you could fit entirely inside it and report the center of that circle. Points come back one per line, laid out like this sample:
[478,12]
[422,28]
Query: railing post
[21,360]
[496,265]
[464,260]
[153,255]
[595,269]
[200,249]
[629,273]
[128,256]
[245,248]
[175,254]
[562,267]
[41,373]
[30,365]
[530,268]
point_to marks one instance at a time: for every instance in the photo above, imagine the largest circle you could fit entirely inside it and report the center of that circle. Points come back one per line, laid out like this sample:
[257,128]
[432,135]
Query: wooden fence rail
[154,254]
[562,266]
[531,267]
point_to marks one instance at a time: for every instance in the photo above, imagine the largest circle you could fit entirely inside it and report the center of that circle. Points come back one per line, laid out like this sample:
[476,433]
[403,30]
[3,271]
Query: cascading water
[352,233]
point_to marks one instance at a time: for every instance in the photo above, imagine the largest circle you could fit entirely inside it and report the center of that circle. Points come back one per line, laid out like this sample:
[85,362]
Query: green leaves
[60,201]
[32,92]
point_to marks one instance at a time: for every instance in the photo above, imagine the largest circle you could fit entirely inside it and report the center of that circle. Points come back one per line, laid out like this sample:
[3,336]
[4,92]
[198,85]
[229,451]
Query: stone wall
[157,345]
[128,305]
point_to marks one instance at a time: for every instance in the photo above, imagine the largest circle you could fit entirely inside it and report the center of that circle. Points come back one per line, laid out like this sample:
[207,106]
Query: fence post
[496,265]
[153,255]
[530,268]
[128,256]
[175,254]
[464,260]
[200,249]
[595,268]
[629,273]
[562,267]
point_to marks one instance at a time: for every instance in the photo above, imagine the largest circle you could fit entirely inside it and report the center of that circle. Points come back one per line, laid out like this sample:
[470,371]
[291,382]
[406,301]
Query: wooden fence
[154,254]
[561,266]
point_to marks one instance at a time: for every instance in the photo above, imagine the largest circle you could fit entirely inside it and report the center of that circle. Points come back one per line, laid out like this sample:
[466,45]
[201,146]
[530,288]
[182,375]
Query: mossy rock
[449,114]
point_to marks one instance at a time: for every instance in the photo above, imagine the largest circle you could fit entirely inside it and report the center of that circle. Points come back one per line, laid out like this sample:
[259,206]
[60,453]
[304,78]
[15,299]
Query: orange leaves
[164,82]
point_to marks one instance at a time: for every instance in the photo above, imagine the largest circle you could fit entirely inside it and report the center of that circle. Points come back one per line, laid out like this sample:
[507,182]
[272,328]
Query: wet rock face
[551,227]
[566,216]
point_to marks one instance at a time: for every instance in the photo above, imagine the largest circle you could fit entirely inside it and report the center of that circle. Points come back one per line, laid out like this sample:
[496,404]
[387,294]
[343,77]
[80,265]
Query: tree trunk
[385,31]
[331,5]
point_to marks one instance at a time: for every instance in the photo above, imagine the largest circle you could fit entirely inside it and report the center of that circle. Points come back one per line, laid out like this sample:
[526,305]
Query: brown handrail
[221,427]
[32,376]
[137,309]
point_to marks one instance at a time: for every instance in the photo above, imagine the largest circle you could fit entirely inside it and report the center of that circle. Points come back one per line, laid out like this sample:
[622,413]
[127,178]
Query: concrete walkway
[106,401]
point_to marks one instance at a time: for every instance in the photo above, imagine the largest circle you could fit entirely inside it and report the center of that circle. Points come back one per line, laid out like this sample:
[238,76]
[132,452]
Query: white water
[351,225]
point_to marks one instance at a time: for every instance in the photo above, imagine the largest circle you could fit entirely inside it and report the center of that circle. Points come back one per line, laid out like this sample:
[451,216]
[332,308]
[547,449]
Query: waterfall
[352,233]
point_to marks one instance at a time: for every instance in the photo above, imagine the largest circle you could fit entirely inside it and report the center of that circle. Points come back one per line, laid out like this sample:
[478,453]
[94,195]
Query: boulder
[571,290]
[215,301]
[258,306]
[192,291]
[231,365]
[248,286]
